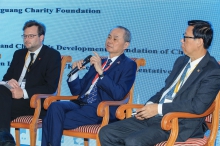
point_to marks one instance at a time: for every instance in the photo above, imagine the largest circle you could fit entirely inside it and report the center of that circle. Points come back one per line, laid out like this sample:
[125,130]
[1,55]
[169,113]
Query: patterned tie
[30,64]
[93,94]
[108,63]
[170,93]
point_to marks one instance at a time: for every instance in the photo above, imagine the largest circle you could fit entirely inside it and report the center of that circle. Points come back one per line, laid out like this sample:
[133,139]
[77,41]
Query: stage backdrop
[79,27]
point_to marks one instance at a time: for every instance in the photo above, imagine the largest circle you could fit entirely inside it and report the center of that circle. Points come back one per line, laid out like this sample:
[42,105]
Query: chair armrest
[36,104]
[170,122]
[51,99]
[103,108]
[120,112]
[36,97]
[105,104]
[167,119]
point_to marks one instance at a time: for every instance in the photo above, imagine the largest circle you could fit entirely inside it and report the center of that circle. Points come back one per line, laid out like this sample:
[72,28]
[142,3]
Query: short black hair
[41,26]
[202,29]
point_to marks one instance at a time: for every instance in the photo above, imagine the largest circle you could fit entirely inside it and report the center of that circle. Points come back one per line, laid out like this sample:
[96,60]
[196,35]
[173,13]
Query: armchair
[170,122]
[32,122]
[91,131]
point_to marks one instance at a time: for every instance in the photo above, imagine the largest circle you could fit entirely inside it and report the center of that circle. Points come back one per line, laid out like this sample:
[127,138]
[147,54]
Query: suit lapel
[177,70]
[21,65]
[196,72]
[116,63]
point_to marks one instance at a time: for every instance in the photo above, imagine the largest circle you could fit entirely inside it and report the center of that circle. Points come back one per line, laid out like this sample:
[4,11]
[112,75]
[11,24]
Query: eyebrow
[113,36]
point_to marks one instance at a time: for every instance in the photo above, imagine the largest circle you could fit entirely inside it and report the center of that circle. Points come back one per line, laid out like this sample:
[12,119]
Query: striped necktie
[170,93]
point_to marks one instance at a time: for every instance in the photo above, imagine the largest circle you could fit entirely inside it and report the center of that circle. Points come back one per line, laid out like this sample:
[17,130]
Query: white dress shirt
[27,61]
[189,71]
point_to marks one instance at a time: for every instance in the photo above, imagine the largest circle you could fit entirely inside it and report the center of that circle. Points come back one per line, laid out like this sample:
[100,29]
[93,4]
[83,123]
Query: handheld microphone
[85,61]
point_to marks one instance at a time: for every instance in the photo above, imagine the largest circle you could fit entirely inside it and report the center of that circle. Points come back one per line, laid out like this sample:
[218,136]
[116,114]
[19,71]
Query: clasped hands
[94,60]
[148,111]
[17,92]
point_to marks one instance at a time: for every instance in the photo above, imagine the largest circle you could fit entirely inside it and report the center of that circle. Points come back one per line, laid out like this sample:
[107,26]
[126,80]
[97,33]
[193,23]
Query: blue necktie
[93,94]
[170,93]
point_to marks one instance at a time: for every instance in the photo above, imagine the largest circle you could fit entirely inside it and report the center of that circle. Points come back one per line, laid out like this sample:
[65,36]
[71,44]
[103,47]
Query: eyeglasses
[30,36]
[184,37]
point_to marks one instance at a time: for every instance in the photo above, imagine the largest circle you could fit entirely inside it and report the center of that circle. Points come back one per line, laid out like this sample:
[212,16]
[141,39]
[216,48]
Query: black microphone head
[87,59]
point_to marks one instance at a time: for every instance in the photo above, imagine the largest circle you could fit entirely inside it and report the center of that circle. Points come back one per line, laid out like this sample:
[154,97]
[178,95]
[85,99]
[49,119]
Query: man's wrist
[101,75]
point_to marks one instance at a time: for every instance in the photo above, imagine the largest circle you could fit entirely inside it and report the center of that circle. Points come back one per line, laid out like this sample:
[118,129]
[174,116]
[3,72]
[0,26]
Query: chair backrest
[139,62]
[212,120]
[64,60]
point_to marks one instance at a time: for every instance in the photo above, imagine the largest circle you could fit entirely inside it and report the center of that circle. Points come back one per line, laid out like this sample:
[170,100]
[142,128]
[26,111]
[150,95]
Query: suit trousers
[12,108]
[58,118]
[133,132]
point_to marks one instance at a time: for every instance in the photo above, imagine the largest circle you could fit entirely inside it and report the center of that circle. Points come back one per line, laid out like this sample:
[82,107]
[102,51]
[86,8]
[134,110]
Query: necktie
[108,63]
[31,62]
[169,94]
[93,94]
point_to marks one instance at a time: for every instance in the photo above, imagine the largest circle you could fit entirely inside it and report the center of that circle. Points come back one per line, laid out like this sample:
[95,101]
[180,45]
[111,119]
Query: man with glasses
[191,87]
[34,70]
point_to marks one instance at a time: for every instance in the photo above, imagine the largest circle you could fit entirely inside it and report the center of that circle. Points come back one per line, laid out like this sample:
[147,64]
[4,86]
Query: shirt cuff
[149,102]
[25,94]
[160,106]
[73,77]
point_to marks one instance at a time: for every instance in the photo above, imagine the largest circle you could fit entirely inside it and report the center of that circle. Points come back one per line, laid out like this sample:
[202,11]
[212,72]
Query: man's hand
[17,93]
[96,61]
[78,64]
[13,83]
[147,111]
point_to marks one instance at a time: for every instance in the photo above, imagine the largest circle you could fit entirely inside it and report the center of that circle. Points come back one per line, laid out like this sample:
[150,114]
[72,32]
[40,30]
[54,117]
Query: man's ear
[126,45]
[200,42]
[42,38]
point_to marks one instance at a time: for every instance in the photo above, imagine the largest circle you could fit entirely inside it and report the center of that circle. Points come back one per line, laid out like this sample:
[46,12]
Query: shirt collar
[113,58]
[36,51]
[195,62]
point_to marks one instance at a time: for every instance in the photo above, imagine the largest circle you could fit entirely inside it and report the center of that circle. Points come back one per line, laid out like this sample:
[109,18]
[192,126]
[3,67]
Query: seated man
[191,87]
[34,70]
[105,81]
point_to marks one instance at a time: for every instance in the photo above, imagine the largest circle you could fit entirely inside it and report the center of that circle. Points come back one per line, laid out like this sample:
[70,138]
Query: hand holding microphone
[78,65]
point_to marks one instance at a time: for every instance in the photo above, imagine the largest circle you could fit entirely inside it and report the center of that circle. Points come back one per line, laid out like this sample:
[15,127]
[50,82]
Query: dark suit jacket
[195,96]
[41,79]
[116,83]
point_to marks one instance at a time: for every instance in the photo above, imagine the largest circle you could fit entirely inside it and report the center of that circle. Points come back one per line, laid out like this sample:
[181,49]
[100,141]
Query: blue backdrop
[78,27]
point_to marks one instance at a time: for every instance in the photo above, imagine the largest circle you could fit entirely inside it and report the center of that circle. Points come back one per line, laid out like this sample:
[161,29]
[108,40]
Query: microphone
[85,61]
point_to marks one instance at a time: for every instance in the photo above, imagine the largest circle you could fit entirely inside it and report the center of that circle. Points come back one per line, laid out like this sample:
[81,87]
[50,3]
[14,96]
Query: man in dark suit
[104,81]
[34,70]
[191,87]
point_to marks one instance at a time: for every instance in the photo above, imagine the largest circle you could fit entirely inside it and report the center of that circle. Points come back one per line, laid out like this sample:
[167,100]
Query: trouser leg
[52,128]
[5,108]
[133,132]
